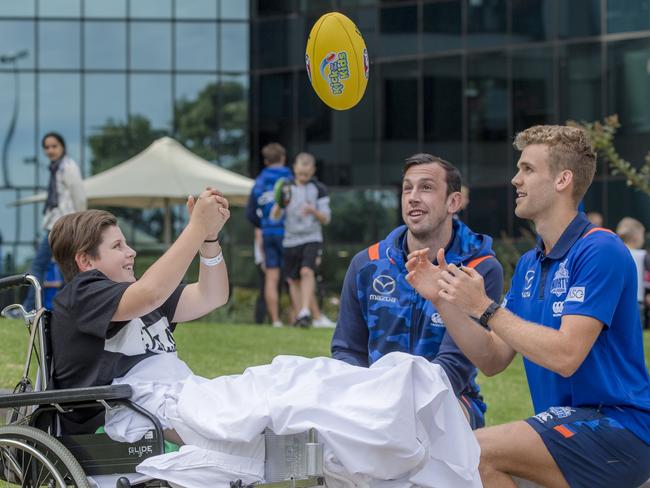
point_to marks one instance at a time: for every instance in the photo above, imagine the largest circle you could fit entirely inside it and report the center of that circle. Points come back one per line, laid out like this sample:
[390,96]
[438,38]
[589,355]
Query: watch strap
[489,312]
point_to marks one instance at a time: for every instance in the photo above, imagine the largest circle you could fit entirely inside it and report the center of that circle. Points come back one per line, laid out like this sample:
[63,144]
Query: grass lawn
[218,349]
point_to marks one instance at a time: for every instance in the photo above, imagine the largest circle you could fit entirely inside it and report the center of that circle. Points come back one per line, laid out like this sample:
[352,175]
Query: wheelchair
[36,452]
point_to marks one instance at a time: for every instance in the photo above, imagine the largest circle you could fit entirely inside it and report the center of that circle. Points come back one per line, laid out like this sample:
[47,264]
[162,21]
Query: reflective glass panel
[486,96]
[488,211]
[274,7]
[151,97]
[150,45]
[399,86]
[59,109]
[58,44]
[195,112]
[105,45]
[579,18]
[234,46]
[151,8]
[280,43]
[232,130]
[13,8]
[17,36]
[580,82]
[274,105]
[196,9]
[196,46]
[533,94]
[105,108]
[628,81]
[487,23]
[398,30]
[17,96]
[102,8]
[441,26]
[532,20]
[443,107]
[234,9]
[355,138]
[59,8]
[628,15]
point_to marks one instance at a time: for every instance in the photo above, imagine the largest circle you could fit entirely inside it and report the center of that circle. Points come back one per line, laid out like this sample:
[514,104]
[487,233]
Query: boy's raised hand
[423,275]
[210,211]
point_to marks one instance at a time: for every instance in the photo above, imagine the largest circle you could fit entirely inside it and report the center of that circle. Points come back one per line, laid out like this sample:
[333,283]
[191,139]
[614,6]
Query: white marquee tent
[162,175]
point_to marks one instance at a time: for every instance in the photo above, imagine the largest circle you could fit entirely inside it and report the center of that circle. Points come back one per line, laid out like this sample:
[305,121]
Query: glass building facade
[456,78]
[111,77]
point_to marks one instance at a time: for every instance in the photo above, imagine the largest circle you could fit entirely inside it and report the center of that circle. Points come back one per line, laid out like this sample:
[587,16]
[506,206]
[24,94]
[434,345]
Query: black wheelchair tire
[14,438]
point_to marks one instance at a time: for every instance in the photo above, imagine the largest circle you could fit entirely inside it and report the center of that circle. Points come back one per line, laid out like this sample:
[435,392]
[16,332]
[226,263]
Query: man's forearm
[542,345]
[478,344]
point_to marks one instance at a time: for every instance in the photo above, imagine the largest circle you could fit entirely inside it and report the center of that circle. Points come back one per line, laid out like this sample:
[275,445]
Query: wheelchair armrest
[65,396]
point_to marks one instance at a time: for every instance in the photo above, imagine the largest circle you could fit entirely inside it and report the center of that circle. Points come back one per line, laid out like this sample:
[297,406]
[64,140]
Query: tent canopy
[162,175]
[165,173]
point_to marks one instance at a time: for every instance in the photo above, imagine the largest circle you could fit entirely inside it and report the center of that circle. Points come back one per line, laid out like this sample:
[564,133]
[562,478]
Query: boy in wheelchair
[398,420]
[105,321]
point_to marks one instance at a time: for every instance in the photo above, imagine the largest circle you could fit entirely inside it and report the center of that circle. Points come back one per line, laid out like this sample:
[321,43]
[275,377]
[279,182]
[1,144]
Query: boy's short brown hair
[76,233]
[274,153]
[568,148]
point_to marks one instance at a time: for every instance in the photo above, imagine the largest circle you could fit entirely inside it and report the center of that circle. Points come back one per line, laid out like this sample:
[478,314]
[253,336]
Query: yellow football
[337,61]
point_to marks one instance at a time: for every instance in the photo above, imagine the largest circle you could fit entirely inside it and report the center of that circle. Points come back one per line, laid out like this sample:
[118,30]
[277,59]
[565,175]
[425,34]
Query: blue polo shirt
[588,272]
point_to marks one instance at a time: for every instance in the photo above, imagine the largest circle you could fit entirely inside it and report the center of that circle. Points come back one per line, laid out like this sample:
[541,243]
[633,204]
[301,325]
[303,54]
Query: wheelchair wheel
[32,458]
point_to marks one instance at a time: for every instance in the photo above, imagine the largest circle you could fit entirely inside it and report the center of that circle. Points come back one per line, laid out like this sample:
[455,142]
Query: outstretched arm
[162,278]
[487,351]
[211,290]
[561,351]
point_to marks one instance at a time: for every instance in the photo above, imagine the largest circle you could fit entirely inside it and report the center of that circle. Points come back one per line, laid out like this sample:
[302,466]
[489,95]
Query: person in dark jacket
[258,213]
[380,312]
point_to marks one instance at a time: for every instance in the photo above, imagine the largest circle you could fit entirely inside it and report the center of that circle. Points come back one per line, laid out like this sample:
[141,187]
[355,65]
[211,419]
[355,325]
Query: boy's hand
[210,211]
[308,209]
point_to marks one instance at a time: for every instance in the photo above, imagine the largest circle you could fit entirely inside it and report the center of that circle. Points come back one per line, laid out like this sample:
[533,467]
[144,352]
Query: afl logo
[383,284]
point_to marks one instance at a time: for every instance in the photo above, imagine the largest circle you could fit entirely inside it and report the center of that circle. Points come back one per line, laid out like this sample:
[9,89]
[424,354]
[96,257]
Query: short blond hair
[568,148]
[631,231]
[305,158]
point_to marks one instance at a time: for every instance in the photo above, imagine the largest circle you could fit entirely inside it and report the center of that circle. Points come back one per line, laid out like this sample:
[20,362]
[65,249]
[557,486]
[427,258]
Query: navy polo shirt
[588,272]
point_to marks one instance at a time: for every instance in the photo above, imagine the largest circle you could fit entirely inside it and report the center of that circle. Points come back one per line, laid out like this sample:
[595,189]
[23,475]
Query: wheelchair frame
[35,440]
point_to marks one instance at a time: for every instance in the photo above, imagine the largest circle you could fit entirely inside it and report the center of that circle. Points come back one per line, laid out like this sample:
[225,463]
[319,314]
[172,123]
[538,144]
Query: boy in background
[305,214]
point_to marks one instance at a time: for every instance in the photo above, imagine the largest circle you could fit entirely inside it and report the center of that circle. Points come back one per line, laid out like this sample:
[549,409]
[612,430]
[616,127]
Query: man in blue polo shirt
[571,312]
[380,312]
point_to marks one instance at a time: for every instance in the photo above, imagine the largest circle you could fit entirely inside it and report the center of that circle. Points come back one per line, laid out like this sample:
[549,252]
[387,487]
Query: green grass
[218,349]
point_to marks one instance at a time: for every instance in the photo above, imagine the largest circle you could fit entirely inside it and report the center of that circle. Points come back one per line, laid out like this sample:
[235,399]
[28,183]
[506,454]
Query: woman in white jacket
[65,194]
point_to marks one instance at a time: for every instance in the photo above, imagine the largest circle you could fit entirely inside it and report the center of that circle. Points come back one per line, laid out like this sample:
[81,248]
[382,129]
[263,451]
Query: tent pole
[167,228]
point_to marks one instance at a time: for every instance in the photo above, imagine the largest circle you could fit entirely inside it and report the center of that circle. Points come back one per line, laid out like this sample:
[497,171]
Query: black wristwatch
[489,312]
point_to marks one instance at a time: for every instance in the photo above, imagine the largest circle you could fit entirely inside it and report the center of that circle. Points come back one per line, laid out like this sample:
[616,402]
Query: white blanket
[395,424]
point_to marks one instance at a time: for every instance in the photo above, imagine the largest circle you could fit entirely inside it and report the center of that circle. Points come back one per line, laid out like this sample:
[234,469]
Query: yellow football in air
[337,61]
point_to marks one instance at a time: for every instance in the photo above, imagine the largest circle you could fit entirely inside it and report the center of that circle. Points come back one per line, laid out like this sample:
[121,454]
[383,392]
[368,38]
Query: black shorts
[303,256]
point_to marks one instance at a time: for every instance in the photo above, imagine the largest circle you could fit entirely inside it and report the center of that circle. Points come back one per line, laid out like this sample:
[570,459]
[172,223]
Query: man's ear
[564,180]
[84,261]
[454,201]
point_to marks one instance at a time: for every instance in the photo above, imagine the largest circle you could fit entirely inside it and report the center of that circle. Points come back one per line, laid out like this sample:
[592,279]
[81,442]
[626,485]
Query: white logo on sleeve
[576,294]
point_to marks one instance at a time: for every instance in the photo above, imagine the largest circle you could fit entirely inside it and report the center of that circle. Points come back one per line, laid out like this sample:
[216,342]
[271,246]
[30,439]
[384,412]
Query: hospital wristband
[211,261]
